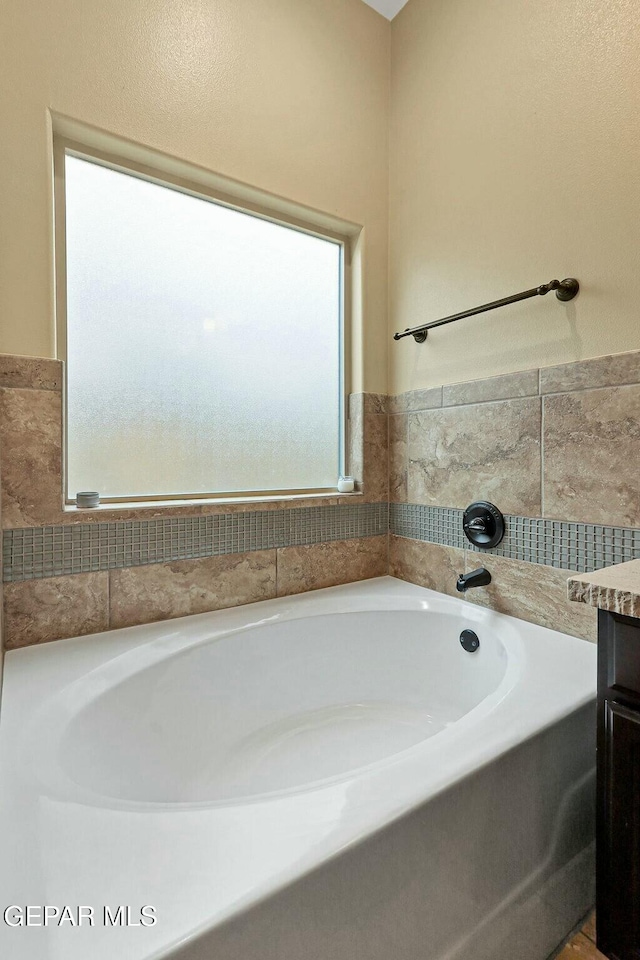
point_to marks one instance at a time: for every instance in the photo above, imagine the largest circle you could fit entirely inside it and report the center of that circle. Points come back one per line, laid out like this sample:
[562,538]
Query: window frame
[63,146]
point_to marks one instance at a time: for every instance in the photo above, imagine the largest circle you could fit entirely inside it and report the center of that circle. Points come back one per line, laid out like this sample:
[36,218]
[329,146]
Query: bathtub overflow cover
[469,641]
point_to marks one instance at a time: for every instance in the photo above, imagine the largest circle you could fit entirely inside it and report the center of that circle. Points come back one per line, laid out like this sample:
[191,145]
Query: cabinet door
[618,881]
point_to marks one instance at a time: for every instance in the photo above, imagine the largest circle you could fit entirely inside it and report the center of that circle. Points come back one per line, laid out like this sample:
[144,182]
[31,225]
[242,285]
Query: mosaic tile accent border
[433,524]
[582,547]
[38,552]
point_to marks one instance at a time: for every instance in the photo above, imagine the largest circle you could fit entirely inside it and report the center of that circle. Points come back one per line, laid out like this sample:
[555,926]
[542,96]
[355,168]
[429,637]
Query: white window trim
[171,174]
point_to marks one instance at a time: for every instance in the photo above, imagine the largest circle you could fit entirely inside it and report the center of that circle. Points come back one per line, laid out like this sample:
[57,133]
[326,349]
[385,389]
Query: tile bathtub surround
[376,458]
[36,611]
[524,383]
[575,546]
[532,592]
[415,400]
[166,590]
[530,567]
[591,466]
[369,445]
[430,524]
[319,565]
[59,563]
[611,371]
[567,478]
[615,370]
[485,451]
[37,552]
[550,447]
[524,590]
[40,610]
[398,446]
[31,449]
[36,373]
[553,442]
[429,565]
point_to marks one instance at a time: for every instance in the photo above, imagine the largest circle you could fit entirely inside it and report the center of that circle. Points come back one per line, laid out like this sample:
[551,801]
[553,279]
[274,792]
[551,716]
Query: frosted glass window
[203,344]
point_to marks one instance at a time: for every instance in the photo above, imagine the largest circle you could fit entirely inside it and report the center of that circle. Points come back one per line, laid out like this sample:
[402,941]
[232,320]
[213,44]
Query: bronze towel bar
[565,290]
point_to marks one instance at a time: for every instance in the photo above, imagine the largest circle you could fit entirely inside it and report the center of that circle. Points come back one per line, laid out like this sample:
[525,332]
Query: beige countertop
[616,588]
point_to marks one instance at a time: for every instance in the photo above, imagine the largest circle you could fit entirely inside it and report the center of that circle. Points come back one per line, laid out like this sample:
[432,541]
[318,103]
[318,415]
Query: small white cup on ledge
[346,485]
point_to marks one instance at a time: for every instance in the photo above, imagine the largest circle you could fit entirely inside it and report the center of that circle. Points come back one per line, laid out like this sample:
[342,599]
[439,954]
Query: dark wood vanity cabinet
[618,787]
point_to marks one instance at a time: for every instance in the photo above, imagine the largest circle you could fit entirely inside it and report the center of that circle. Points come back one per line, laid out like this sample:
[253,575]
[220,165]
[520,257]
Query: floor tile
[580,948]
[589,928]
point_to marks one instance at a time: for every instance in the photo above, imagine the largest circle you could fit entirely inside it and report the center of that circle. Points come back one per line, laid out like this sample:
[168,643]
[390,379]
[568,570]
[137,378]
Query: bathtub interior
[274,707]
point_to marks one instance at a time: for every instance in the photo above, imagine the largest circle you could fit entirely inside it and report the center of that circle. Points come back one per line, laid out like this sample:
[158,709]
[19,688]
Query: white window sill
[283,498]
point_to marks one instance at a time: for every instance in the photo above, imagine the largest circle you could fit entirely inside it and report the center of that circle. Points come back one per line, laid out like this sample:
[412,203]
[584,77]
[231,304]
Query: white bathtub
[324,776]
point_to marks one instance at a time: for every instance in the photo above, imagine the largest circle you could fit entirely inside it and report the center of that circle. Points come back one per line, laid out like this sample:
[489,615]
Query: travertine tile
[413,400]
[155,511]
[485,451]
[375,403]
[36,611]
[376,458]
[590,443]
[609,371]
[398,427]
[531,592]
[615,588]
[36,373]
[320,565]
[31,445]
[164,590]
[427,564]
[521,384]
[368,446]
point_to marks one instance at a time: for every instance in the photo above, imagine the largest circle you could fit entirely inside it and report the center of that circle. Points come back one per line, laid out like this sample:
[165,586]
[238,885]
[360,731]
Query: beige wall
[514,159]
[514,134]
[288,96]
